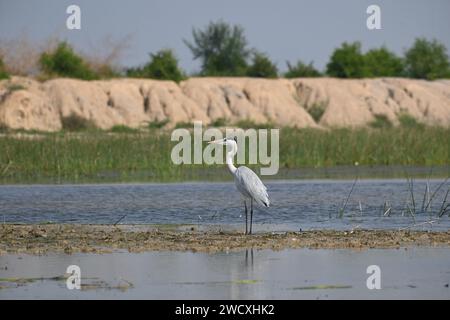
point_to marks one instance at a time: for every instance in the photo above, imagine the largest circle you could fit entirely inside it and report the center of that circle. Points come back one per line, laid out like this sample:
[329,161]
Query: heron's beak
[214,142]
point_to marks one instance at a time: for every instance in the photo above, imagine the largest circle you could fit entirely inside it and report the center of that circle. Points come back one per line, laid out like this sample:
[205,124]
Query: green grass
[145,156]
[389,146]
[123,129]
[185,125]
[76,157]
[250,124]
[220,122]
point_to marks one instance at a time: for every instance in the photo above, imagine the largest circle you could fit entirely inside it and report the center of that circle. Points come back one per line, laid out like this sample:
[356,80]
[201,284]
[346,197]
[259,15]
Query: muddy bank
[41,239]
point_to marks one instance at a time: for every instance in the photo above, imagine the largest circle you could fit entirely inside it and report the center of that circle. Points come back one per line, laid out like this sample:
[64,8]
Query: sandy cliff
[28,104]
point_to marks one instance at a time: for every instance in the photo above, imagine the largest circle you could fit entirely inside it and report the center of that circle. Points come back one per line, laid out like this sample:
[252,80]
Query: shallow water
[296,204]
[287,274]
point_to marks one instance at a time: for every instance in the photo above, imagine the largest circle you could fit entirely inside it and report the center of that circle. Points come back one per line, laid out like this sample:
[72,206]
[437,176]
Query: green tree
[3,73]
[347,62]
[221,48]
[301,70]
[163,65]
[64,62]
[383,63]
[427,60]
[262,67]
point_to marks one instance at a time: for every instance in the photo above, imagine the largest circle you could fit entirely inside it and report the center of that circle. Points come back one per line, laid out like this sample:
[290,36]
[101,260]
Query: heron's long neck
[230,156]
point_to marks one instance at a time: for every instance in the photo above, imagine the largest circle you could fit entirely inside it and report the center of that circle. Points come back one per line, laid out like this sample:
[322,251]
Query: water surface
[414,273]
[296,204]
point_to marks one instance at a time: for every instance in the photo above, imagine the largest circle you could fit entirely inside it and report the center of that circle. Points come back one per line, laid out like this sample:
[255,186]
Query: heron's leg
[245,206]
[251,215]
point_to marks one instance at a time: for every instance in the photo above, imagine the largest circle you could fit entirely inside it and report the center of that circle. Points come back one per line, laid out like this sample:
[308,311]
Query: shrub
[219,122]
[301,70]
[3,73]
[64,62]
[262,67]
[347,62]
[381,121]
[408,121]
[317,110]
[222,49]
[383,63]
[76,123]
[158,124]
[163,65]
[105,71]
[427,60]
[20,55]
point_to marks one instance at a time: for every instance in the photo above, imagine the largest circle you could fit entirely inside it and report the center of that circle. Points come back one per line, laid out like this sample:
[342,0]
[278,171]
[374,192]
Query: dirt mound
[314,102]
[73,238]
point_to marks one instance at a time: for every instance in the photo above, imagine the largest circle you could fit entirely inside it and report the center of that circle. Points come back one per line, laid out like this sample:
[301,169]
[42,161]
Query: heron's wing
[249,184]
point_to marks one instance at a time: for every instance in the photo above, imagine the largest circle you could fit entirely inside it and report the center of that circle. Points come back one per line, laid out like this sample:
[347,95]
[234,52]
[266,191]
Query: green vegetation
[388,146]
[301,70]
[250,124]
[382,63]
[14,87]
[105,71]
[123,129]
[64,62]
[427,60]
[262,67]
[76,123]
[347,62]
[222,49]
[183,124]
[158,124]
[145,156]
[408,121]
[74,157]
[424,60]
[163,65]
[219,122]
[381,122]
[3,73]
[317,110]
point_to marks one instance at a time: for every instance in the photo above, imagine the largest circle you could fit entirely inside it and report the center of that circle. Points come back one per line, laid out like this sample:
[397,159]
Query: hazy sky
[286,30]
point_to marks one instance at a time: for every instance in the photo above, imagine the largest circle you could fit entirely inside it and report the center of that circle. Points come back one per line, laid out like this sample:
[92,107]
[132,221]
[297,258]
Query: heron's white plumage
[251,187]
[247,182]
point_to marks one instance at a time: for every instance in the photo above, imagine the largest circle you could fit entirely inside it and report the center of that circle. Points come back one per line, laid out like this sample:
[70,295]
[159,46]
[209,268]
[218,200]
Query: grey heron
[247,182]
